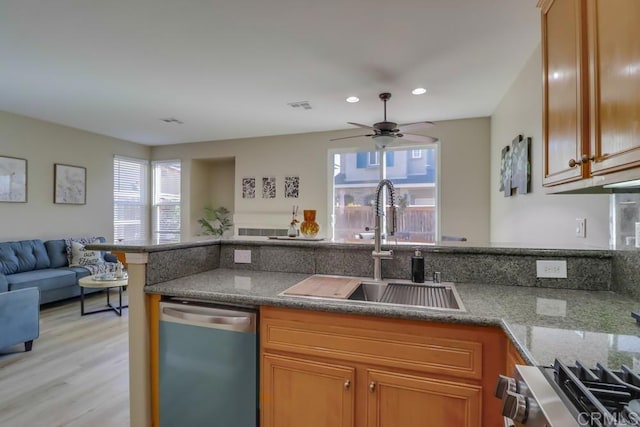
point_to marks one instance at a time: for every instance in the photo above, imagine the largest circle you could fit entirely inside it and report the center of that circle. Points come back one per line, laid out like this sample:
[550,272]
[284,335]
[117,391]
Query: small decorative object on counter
[309,227]
[417,267]
[293,225]
[119,272]
[437,277]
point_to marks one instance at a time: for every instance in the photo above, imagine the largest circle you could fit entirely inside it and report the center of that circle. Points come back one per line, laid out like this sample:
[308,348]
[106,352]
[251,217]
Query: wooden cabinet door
[296,392]
[565,105]
[614,66]
[395,399]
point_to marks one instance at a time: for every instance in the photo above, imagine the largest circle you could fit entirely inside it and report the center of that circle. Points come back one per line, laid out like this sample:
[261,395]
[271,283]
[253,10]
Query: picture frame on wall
[70,184]
[13,179]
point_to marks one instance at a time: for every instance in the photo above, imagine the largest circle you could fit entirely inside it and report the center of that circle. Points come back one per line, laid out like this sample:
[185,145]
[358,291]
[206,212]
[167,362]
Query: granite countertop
[442,247]
[142,246]
[543,323]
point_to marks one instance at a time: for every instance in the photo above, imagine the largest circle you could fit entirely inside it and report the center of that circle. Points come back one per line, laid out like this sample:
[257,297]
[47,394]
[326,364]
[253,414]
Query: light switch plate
[551,269]
[581,228]
[242,256]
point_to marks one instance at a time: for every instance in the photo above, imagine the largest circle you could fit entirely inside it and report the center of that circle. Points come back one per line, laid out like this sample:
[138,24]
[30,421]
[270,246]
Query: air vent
[303,104]
[172,120]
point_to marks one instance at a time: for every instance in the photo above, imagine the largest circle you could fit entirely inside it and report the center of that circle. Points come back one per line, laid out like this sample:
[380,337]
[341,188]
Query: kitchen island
[584,320]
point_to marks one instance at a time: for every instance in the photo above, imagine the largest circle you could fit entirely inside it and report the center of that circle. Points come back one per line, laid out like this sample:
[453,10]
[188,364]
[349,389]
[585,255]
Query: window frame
[416,154]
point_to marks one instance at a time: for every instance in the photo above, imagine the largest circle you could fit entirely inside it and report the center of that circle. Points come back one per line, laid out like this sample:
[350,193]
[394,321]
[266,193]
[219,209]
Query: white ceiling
[227,69]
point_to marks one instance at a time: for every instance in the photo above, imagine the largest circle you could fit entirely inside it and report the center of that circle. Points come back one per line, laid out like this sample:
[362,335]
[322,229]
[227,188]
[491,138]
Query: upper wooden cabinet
[591,88]
[564,90]
[614,76]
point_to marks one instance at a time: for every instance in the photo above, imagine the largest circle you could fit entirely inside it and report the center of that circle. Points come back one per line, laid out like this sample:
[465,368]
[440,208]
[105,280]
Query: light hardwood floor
[76,375]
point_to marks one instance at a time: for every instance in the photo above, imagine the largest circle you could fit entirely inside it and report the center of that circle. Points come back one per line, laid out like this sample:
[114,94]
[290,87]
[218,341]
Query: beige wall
[44,144]
[537,218]
[212,184]
[464,175]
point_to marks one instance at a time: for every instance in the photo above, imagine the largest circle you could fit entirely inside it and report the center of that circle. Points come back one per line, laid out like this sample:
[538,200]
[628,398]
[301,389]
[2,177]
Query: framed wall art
[520,164]
[248,188]
[291,186]
[269,188]
[13,179]
[70,184]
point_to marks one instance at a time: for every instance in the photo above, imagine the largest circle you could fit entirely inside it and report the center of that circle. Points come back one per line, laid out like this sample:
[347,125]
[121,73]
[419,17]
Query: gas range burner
[567,396]
[603,396]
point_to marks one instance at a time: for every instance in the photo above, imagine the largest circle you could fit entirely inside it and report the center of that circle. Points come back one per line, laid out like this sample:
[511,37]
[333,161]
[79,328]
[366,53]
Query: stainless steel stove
[568,396]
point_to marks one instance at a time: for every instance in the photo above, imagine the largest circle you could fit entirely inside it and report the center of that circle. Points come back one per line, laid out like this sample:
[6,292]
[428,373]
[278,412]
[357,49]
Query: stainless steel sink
[438,296]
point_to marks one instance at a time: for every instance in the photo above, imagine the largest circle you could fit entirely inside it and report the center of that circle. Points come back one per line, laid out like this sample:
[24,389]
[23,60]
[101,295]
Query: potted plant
[215,221]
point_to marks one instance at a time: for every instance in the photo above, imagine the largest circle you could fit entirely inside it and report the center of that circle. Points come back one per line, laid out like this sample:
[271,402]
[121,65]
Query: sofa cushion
[57,250]
[25,255]
[44,279]
[80,272]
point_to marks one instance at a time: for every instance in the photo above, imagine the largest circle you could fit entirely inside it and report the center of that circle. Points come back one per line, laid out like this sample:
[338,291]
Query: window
[166,201]
[416,154]
[130,204]
[354,185]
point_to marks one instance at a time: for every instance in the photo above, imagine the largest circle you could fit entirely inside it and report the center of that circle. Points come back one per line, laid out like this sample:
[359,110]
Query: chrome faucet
[378,254]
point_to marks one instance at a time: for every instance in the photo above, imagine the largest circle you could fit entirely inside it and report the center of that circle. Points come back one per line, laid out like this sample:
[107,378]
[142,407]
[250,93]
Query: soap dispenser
[417,267]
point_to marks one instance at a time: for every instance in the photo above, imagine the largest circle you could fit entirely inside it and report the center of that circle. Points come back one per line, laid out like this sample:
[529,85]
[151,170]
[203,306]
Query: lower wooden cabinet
[395,399]
[306,393]
[513,358]
[329,369]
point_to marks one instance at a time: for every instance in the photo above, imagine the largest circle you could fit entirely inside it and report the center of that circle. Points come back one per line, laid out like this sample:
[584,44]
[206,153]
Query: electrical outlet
[581,228]
[241,256]
[551,269]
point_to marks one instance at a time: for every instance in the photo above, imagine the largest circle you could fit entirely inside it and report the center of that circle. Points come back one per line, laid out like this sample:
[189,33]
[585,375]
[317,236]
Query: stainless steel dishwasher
[208,365]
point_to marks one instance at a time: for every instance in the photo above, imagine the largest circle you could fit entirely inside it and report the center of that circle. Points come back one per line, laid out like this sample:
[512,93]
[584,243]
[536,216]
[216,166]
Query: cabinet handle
[584,159]
[372,386]
[347,384]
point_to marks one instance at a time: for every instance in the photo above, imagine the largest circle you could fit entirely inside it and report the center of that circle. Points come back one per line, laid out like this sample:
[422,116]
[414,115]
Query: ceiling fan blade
[419,138]
[415,126]
[347,137]
[360,125]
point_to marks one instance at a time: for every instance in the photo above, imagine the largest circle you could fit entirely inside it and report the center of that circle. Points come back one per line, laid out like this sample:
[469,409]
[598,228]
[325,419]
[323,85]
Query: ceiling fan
[385,133]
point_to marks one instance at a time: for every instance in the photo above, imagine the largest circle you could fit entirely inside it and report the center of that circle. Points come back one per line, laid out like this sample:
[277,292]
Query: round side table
[94,281]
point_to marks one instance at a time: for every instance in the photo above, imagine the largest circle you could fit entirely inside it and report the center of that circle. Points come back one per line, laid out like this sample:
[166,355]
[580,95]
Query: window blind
[130,205]
[166,201]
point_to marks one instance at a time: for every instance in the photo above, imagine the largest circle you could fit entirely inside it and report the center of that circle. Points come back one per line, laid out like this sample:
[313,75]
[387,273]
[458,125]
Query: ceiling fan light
[419,91]
[382,141]
[353,99]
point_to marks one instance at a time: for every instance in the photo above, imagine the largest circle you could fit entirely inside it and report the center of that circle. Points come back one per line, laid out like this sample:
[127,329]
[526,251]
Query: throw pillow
[82,241]
[81,256]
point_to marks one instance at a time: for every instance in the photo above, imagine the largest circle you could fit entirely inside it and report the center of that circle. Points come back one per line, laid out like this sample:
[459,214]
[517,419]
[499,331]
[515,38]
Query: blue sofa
[43,265]
[19,317]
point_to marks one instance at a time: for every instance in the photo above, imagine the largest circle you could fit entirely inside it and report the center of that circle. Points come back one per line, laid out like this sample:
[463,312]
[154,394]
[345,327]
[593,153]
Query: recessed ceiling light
[353,99]
[419,91]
